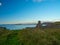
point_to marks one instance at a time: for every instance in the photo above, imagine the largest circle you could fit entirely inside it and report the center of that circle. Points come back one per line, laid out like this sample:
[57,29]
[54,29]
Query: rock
[2,28]
[39,24]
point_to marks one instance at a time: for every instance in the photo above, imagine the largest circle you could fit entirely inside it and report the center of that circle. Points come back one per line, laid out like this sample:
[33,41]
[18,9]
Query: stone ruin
[38,24]
[47,25]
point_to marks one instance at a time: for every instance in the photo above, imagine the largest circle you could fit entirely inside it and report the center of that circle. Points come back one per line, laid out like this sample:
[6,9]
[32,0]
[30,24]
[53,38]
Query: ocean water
[16,27]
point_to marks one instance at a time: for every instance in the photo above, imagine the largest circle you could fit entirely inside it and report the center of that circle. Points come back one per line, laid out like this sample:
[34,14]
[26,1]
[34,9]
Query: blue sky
[28,11]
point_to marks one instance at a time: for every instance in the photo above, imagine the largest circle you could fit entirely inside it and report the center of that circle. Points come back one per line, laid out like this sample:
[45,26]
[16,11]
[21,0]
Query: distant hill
[27,24]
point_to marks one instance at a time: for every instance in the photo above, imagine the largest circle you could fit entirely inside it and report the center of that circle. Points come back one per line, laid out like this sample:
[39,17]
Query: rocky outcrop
[39,24]
[2,28]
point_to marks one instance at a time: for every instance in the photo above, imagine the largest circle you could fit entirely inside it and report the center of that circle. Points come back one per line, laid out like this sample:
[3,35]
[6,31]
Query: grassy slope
[30,37]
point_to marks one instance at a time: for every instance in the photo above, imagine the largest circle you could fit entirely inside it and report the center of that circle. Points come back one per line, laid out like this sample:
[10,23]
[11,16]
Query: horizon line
[29,22]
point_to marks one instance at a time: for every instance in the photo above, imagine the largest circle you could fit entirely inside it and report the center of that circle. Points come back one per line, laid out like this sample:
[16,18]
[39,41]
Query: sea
[16,27]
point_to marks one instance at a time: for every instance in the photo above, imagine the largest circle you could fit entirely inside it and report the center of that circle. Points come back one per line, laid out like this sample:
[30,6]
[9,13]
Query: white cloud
[39,0]
[42,0]
[0,3]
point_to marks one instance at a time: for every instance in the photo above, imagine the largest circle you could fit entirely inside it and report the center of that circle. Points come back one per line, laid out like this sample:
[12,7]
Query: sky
[29,11]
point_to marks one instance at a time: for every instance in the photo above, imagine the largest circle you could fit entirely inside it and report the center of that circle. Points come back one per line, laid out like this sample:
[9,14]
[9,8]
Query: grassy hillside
[30,37]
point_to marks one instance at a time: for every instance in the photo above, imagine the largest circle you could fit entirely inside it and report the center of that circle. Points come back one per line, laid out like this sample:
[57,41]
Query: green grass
[48,36]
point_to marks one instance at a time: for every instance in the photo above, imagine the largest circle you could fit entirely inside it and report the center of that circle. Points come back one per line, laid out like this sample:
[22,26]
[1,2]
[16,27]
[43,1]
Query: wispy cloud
[0,3]
[37,0]
[40,0]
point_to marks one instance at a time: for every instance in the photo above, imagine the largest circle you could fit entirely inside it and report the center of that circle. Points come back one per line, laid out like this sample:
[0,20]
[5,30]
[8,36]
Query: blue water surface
[16,27]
